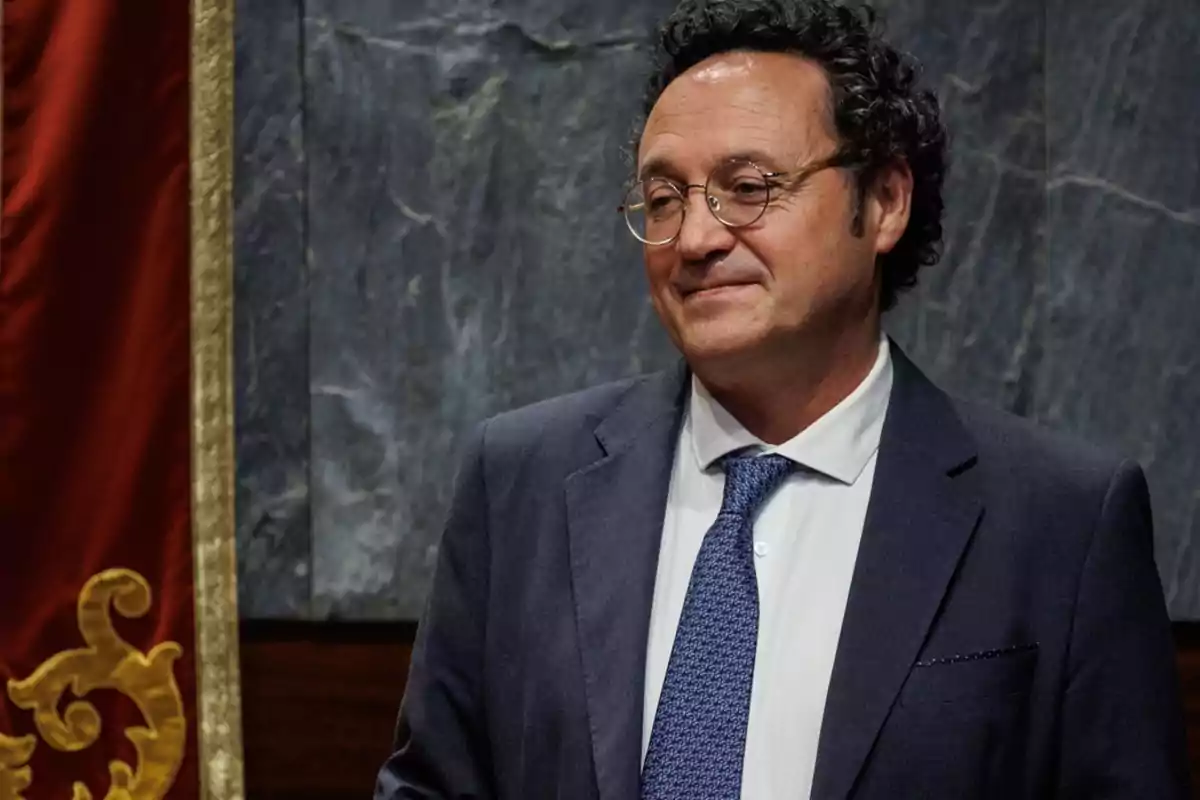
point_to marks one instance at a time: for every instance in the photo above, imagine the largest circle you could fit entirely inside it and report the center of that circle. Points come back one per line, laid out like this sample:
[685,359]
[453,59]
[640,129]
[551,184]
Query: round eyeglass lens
[654,211]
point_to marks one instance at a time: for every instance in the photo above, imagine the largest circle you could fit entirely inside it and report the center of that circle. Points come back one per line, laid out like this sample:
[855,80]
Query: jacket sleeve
[441,746]
[1122,716]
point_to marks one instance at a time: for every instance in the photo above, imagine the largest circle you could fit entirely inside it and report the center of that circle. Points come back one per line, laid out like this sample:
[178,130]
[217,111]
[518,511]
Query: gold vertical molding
[219,713]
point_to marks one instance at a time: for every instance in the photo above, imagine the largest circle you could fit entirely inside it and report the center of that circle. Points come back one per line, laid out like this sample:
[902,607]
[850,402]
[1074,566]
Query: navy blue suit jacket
[1005,636]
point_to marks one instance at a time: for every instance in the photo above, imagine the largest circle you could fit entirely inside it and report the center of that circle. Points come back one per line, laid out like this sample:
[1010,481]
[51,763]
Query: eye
[749,189]
[746,190]
[661,198]
[658,202]
[740,183]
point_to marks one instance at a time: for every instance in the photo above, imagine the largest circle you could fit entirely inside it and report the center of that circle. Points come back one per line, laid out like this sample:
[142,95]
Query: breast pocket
[996,679]
[958,729]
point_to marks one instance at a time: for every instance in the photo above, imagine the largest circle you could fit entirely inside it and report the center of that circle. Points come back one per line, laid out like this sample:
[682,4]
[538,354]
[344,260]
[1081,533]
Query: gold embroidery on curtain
[14,775]
[108,662]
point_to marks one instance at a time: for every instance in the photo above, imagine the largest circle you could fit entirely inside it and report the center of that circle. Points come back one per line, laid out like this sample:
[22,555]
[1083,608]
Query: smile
[717,291]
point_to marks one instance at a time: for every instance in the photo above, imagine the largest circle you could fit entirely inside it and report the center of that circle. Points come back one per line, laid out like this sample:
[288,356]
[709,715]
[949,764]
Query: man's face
[737,294]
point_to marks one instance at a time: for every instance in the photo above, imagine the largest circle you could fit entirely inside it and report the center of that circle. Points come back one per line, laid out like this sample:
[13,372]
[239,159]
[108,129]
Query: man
[792,567]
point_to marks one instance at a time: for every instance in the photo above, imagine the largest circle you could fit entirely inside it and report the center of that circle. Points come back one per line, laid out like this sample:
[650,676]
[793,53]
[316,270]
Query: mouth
[715,290]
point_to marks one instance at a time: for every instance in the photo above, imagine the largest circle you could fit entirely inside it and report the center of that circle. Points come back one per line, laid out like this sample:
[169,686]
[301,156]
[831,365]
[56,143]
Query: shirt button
[760,549]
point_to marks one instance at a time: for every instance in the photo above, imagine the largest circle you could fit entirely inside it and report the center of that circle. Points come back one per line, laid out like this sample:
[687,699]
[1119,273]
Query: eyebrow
[662,165]
[659,165]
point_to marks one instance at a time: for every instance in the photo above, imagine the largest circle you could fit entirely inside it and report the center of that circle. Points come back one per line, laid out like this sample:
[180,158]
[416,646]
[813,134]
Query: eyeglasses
[737,193]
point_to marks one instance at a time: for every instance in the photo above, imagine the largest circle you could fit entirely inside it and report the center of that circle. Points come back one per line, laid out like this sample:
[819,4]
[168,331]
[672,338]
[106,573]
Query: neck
[779,395]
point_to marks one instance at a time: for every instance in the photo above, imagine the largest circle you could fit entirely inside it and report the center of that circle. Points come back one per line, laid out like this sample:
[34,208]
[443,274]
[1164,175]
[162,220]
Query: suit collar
[646,403]
[615,510]
[923,511]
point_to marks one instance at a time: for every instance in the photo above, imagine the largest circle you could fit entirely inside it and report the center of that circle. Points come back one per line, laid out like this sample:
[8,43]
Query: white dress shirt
[805,544]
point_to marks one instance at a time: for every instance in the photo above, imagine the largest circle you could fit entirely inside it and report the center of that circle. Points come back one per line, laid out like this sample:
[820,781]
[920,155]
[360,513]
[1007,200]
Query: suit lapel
[615,510]
[923,510]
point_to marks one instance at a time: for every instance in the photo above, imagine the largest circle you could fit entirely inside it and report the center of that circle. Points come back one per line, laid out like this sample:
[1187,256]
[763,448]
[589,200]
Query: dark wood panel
[319,705]
[1187,647]
[320,699]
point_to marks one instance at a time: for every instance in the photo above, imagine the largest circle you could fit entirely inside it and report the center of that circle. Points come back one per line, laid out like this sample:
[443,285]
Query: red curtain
[94,348]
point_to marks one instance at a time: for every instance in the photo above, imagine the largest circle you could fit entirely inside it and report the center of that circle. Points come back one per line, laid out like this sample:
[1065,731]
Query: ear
[889,204]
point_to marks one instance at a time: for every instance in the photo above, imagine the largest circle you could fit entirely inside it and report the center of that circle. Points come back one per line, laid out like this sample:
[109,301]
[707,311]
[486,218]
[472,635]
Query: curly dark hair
[880,116]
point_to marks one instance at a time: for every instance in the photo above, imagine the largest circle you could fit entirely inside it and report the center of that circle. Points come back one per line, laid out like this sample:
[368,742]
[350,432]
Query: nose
[702,237]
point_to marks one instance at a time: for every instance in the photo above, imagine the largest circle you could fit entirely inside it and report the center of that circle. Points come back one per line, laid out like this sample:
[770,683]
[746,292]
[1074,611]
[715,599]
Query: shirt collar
[839,444]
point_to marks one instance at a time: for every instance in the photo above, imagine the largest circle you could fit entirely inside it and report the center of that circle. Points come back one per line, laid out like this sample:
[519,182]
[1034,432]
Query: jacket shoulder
[1018,445]
[557,419]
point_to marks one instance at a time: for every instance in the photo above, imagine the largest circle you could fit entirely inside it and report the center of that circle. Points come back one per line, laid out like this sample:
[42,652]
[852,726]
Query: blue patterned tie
[698,741]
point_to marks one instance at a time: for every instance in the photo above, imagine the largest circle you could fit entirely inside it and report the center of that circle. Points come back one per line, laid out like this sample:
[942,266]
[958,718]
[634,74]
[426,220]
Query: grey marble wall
[425,235]
[1117,322]
[271,313]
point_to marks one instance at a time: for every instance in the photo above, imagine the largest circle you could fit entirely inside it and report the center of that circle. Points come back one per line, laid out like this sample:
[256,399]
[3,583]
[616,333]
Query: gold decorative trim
[217,675]
[15,776]
[108,662]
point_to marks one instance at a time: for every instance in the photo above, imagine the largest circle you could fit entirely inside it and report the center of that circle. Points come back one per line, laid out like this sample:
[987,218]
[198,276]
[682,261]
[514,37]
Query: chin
[714,346]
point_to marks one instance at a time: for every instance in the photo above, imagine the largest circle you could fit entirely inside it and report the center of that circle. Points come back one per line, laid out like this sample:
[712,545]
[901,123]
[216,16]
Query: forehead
[775,103]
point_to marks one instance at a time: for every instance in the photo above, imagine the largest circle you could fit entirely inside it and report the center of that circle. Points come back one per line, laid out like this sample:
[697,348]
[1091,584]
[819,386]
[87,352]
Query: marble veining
[426,235]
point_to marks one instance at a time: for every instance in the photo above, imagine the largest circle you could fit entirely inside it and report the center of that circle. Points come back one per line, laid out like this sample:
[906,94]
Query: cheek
[812,264]
[659,262]
[794,255]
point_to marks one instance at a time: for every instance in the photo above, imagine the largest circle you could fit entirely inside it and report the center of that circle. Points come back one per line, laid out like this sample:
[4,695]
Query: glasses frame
[839,159]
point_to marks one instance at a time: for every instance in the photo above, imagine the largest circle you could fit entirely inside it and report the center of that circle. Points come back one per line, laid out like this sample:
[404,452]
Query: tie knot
[749,481]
